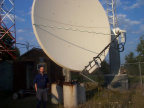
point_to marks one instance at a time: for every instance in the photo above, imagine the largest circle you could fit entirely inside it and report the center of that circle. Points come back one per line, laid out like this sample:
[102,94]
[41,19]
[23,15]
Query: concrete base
[56,94]
[70,95]
[81,93]
[116,82]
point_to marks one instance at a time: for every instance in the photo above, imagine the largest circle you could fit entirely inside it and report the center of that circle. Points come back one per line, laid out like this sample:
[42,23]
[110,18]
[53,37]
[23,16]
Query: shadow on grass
[6,101]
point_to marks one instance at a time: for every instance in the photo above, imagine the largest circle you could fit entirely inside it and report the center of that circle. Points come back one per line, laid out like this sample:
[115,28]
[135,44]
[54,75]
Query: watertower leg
[69,91]
[67,74]
[70,96]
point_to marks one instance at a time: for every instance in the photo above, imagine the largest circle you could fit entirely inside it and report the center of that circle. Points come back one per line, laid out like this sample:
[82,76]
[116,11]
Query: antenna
[112,13]
[73,33]
[114,52]
[70,32]
[7,28]
[114,55]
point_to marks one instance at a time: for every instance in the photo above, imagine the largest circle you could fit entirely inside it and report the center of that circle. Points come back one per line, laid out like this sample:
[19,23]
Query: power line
[27,46]
[132,63]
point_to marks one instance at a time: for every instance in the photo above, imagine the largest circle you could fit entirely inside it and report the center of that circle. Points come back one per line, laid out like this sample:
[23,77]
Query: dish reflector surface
[71,32]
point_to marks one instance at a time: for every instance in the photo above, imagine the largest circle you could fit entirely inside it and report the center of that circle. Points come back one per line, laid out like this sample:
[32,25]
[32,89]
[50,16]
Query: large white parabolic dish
[71,32]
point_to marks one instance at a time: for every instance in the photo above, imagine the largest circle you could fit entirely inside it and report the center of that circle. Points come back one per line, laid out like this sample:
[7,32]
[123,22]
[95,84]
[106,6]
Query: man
[41,84]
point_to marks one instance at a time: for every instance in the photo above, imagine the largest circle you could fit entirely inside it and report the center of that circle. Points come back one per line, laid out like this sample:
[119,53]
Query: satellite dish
[71,32]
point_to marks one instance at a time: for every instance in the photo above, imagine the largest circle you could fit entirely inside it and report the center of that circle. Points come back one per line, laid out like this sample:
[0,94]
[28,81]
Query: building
[6,75]
[26,67]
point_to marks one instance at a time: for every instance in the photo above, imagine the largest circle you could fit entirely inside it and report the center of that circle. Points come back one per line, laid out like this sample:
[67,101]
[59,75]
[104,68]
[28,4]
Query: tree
[7,42]
[140,49]
[130,58]
[132,61]
[129,66]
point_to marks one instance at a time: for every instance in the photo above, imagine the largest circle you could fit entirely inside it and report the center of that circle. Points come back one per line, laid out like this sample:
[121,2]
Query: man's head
[41,69]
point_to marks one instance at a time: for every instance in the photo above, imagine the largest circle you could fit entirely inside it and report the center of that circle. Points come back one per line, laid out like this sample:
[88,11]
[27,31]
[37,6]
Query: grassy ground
[6,101]
[96,98]
[104,98]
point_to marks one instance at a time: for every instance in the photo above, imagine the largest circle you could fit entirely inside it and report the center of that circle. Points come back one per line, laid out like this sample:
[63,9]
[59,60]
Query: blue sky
[130,15]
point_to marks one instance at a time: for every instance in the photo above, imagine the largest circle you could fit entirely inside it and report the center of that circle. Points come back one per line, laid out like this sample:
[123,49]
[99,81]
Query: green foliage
[8,42]
[132,66]
[109,99]
[17,52]
[133,80]
[130,58]
[132,69]
[140,49]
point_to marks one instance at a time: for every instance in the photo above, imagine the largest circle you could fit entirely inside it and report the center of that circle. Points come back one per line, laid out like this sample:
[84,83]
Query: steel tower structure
[114,54]
[111,12]
[7,29]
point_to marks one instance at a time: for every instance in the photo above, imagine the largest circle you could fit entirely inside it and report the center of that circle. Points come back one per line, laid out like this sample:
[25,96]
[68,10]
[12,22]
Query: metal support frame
[96,58]
[112,15]
[114,54]
[111,12]
[7,27]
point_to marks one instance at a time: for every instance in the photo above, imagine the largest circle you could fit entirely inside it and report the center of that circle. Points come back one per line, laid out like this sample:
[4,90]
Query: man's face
[41,69]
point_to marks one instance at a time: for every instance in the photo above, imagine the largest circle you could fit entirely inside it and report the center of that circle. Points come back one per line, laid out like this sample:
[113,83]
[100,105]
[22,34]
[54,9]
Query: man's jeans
[41,97]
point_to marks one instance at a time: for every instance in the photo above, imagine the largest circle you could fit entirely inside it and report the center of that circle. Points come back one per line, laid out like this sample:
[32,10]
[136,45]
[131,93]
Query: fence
[135,72]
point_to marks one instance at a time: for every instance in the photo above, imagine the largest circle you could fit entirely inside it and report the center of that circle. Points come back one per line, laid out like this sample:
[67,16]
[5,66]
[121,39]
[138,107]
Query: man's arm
[35,83]
[35,87]
[47,81]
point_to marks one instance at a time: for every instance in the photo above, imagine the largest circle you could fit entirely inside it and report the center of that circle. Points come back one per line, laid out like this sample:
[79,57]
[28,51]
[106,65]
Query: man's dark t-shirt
[41,81]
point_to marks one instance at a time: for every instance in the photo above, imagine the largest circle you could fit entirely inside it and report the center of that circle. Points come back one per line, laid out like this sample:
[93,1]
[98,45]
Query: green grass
[6,101]
[97,97]
[108,99]
[135,81]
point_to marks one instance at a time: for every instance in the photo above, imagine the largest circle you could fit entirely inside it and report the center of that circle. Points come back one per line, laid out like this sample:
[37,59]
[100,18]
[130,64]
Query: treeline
[133,63]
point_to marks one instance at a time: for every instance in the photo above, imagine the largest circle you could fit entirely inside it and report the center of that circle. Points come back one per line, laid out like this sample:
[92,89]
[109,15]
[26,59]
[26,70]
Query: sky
[130,15]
